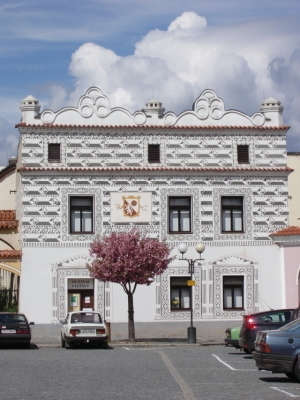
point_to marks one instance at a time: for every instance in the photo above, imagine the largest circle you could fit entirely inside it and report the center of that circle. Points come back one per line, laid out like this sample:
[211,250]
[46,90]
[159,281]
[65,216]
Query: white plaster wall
[7,184]
[36,289]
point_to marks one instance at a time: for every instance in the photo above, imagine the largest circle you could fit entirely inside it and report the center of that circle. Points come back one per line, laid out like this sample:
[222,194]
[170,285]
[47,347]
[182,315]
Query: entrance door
[87,300]
[73,301]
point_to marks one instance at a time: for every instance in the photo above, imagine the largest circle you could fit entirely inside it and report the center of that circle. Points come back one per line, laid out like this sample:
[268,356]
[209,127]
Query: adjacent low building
[10,254]
[206,175]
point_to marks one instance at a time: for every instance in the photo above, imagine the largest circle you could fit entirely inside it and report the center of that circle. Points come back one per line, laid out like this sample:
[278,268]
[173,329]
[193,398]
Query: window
[179,214]
[153,153]
[180,293]
[233,292]
[81,214]
[54,152]
[243,154]
[232,214]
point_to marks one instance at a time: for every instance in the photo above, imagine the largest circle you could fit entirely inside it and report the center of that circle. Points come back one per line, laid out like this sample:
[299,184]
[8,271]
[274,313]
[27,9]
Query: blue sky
[243,49]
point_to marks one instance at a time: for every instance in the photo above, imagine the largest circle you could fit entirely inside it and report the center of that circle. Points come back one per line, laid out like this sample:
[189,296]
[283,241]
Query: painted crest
[136,205]
[131,206]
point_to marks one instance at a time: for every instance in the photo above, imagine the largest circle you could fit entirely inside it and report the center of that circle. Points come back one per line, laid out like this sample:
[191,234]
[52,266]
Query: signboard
[75,284]
[191,283]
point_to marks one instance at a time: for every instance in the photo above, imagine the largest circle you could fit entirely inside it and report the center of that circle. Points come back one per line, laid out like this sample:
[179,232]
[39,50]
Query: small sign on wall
[80,284]
[131,207]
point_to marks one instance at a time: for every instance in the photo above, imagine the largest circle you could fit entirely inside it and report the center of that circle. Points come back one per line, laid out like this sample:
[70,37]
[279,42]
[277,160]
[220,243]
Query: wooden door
[87,300]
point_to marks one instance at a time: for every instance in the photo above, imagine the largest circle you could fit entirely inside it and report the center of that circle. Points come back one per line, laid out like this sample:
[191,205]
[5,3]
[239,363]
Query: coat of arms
[131,206]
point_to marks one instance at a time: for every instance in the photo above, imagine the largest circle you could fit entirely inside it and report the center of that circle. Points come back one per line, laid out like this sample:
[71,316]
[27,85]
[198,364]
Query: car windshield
[86,317]
[292,326]
[12,319]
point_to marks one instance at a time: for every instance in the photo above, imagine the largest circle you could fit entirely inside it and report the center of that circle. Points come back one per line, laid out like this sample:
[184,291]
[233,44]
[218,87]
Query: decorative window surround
[166,312]
[195,214]
[74,267]
[247,209]
[62,143]
[162,149]
[71,191]
[243,141]
[235,265]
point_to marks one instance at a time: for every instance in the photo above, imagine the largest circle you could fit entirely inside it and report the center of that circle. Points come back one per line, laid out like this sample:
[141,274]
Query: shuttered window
[243,154]
[153,153]
[54,152]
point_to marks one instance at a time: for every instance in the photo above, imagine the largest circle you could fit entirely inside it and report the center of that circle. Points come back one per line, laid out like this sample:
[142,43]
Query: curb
[113,345]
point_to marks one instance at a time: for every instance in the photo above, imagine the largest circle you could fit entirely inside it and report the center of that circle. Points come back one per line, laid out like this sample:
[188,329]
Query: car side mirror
[31,323]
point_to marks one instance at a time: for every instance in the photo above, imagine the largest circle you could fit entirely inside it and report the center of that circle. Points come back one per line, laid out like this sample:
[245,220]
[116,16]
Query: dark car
[278,351]
[15,329]
[262,321]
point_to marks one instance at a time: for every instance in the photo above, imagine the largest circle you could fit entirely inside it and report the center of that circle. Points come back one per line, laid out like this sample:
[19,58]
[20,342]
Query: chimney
[30,108]
[272,110]
[12,161]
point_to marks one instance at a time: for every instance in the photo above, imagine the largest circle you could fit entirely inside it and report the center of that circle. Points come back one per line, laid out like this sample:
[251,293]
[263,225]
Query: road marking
[284,391]
[187,392]
[230,367]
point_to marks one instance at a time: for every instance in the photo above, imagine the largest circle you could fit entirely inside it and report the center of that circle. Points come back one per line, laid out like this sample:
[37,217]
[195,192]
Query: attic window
[54,152]
[153,153]
[243,154]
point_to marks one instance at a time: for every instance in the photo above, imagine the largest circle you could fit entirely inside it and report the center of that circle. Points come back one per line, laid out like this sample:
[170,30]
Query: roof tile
[289,231]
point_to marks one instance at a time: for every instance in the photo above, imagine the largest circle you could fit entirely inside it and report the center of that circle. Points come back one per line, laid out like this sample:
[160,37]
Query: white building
[207,175]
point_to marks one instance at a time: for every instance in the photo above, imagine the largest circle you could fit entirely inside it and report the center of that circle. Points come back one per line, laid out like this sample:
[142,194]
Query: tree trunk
[131,333]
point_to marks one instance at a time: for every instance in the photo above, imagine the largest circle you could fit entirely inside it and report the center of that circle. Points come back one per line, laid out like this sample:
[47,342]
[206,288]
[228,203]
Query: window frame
[180,287]
[54,160]
[243,156]
[154,156]
[232,208]
[81,209]
[180,208]
[232,287]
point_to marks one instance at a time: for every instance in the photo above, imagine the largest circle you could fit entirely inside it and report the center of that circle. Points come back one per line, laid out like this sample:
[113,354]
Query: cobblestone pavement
[190,372]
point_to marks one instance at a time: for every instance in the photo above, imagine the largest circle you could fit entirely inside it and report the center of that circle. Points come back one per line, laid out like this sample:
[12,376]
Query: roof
[10,253]
[151,127]
[196,169]
[7,170]
[289,231]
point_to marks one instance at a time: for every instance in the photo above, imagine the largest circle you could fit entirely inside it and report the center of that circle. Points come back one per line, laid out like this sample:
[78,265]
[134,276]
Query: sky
[134,50]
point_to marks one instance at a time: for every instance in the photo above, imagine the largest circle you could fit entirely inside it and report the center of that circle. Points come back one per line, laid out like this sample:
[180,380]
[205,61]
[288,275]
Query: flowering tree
[129,259]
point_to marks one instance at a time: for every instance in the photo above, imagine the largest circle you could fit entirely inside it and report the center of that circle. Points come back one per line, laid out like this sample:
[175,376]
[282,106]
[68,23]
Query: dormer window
[153,153]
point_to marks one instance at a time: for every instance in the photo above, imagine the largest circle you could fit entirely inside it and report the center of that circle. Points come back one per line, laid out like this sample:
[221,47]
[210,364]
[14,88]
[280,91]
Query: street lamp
[182,248]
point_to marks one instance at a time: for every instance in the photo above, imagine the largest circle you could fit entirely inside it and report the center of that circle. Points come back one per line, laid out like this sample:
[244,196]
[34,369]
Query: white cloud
[243,63]
[187,20]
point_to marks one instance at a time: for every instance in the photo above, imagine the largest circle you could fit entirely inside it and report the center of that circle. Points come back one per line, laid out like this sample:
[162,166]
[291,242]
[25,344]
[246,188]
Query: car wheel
[26,345]
[104,345]
[290,375]
[296,371]
[63,343]
[68,345]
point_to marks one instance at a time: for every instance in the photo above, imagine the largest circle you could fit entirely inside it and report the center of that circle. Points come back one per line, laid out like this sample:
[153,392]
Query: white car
[83,327]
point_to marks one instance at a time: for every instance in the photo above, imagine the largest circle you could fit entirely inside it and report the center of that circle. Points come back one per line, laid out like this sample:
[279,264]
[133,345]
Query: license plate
[8,331]
[88,331]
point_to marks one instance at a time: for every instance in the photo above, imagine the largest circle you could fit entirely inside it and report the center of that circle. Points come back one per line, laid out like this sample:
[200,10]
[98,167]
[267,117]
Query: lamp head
[200,247]
[182,248]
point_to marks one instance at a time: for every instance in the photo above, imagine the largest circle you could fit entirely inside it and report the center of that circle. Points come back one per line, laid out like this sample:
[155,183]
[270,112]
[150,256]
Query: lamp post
[182,248]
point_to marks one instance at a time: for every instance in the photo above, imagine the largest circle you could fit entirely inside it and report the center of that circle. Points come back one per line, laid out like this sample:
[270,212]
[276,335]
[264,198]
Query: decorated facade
[206,175]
